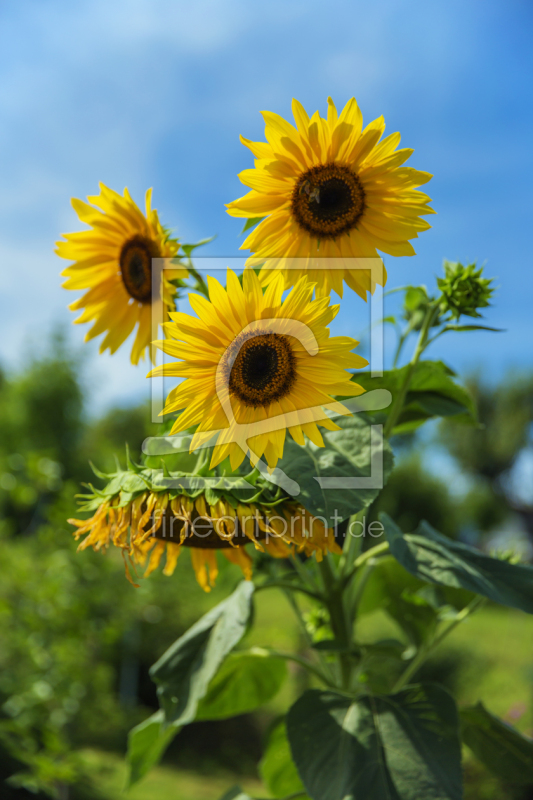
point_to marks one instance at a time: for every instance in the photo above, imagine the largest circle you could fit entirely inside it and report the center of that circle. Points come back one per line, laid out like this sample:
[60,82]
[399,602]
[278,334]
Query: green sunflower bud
[464,290]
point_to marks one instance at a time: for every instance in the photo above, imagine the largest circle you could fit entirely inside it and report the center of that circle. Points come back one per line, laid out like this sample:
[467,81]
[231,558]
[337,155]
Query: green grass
[162,783]
[495,650]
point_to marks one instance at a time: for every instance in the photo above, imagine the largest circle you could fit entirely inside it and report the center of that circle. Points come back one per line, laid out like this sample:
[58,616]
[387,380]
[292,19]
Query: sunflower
[329,189]
[256,365]
[152,524]
[113,261]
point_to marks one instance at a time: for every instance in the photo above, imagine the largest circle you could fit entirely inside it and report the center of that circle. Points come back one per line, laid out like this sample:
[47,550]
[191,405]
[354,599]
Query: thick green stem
[340,623]
[399,400]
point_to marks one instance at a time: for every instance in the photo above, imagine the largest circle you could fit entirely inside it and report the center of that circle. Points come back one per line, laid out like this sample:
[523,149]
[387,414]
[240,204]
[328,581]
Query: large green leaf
[432,393]
[244,682]
[399,747]
[277,769]
[146,744]
[434,558]
[502,749]
[386,589]
[184,672]
[347,455]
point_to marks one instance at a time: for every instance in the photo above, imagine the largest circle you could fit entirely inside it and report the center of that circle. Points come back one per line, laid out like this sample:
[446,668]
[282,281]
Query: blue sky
[155,93]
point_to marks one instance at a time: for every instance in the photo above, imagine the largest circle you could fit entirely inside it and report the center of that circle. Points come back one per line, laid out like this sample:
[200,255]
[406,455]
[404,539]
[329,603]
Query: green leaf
[188,248]
[385,590]
[434,558]
[346,455]
[432,393]
[503,750]
[244,682]
[393,589]
[251,223]
[146,744]
[184,672]
[277,769]
[472,328]
[400,747]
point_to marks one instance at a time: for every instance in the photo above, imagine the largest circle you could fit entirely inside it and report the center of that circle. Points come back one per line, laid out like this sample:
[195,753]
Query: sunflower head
[255,366]
[139,514]
[113,262]
[325,189]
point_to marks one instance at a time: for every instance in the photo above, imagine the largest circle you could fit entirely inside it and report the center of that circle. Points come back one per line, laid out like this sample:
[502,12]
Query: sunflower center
[328,200]
[136,267]
[263,370]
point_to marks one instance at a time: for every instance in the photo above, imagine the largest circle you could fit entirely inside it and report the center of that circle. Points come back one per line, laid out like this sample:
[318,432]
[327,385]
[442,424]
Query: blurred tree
[105,438]
[488,453]
[77,638]
[413,494]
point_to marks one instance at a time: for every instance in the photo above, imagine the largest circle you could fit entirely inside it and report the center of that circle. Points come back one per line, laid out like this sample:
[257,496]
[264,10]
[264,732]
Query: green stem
[401,342]
[304,573]
[307,636]
[359,589]
[425,651]
[352,544]
[399,400]
[202,464]
[303,662]
[340,624]
[201,285]
[378,550]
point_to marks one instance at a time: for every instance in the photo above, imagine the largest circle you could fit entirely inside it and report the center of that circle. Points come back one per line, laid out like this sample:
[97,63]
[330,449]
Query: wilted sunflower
[113,261]
[329,189]
[256,365]
[148,523]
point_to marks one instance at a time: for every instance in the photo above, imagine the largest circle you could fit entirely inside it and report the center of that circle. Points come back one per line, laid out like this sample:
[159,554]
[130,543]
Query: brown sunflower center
[204,532]
[328,200]
[136,266]
[263,370]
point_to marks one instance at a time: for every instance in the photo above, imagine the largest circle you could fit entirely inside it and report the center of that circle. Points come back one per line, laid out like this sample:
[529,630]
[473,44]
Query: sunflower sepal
[130,464]
[251,222]
[98,472]
[148,515]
